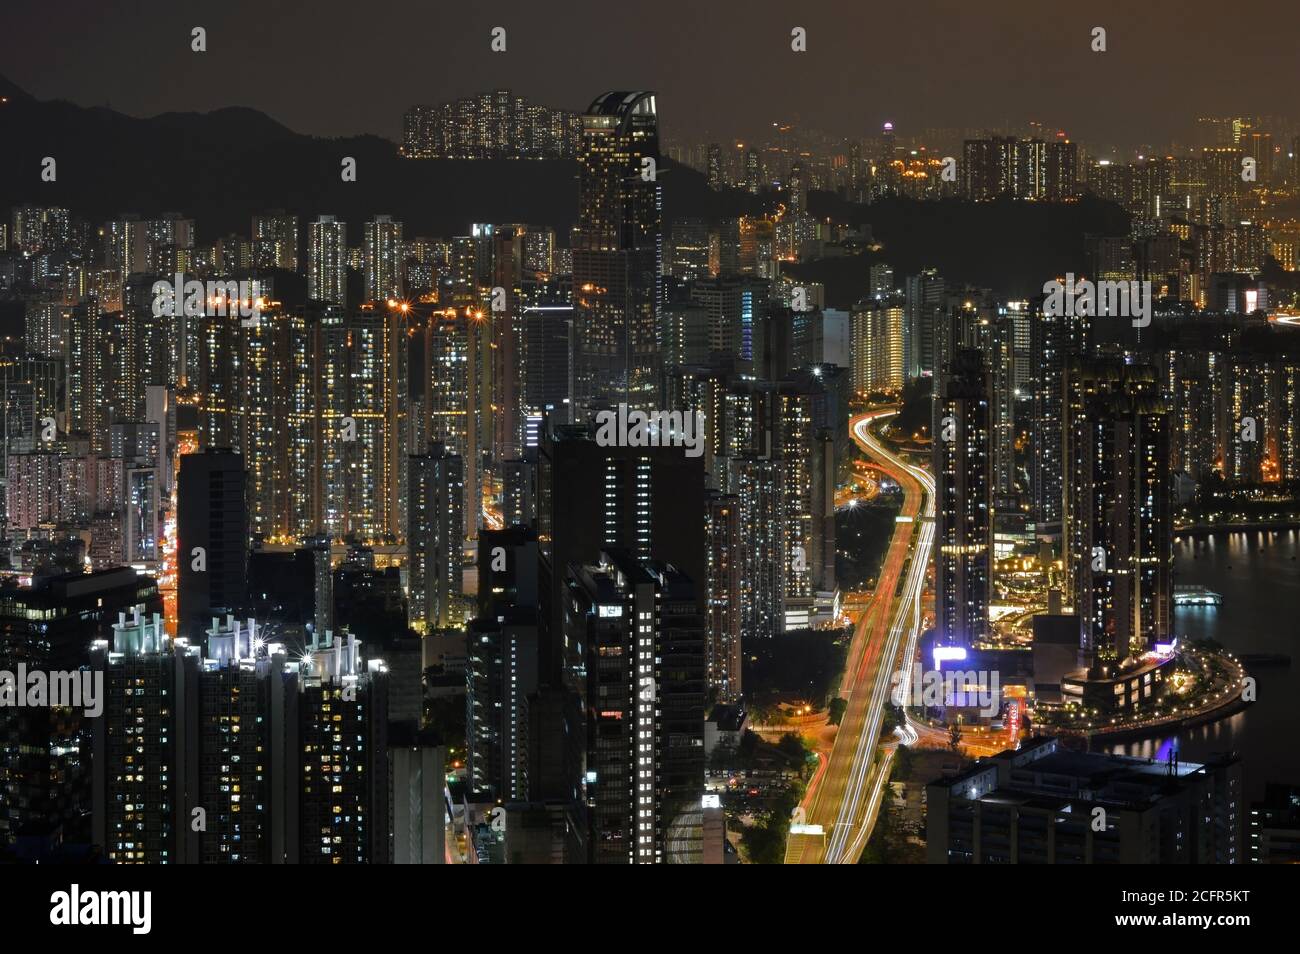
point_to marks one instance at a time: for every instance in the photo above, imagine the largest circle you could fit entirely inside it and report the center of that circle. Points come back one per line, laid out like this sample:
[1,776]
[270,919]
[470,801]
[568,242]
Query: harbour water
[1258,575]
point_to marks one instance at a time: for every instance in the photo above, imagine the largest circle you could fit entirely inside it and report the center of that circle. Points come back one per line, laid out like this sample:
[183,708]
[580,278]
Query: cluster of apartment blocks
[1122,423]
[251,753]
[232,491]
[232,747]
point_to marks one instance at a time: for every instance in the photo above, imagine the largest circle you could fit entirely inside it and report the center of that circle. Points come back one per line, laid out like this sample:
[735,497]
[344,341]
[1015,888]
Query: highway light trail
[861,798]
[840,805]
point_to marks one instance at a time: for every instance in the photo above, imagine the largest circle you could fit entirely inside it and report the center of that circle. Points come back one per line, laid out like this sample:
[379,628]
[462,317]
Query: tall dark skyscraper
[1120,531]
[435,536]
[725,560]
[501,674]
[618,252]
[635,629]
[923,313]
[212,539]
[647,500]
[963,571]
[1055,339]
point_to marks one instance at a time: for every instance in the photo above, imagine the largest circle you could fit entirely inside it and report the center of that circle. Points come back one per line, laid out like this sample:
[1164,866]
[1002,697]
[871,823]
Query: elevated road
[840,809]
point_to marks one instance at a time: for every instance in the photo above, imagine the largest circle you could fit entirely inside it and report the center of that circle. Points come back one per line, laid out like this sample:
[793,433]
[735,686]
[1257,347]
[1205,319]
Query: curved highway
[843,806]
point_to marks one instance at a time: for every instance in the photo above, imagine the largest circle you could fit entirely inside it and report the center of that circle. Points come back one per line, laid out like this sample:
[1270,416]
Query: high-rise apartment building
[327,250]
[962,451]
[725,561]
[211,539]
[618,253]
[1006,166]
[435,537]
[877,344]
[492,125]
[923,310]
[275,241]
[385,261]
[636,628]
[1119,528]
[648,500]
[501,675]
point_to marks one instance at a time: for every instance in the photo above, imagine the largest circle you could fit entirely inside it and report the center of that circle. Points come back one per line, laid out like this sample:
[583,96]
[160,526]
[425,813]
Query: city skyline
[563,482]
[943,66]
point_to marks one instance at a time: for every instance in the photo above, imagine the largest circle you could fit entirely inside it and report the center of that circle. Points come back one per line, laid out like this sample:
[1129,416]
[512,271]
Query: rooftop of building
[1044,775]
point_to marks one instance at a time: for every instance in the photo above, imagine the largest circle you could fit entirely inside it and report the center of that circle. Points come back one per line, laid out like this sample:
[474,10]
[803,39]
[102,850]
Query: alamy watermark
[213,298]
[36,688]
[955,688]
[636,428]
[1109,299]
[75,908]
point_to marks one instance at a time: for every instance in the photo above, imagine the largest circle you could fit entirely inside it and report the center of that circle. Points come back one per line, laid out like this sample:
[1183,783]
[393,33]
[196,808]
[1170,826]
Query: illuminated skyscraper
[505,312]
[491,125]
[435,537]
[997,342]
[617,252]
[877,345]
[451,374]
[753,172]
[726,557]
[1061,170]
[736,307]
[648,500]
[635,628]
[1006,166]
[963,463]
[384,259]
[236,737]
[689,255]
[240,755]
[327,249]
[145,762]
[923,312]
[758,485]
[92,352]
[1055,339]
[501,673]
[339,757]
[372,431]
[322,584]
[261,401]
[314,435]
[1119,530]
[275,241]
[715,171]
[39,229]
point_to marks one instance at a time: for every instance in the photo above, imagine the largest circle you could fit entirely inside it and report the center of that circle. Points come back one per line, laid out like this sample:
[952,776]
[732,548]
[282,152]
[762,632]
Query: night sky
[334,67]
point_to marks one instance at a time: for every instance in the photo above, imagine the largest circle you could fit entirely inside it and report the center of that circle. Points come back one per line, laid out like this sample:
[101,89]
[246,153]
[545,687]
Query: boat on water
[1192,595]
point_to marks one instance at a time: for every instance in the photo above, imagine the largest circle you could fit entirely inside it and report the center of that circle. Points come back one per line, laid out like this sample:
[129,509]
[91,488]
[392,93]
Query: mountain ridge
[224,166]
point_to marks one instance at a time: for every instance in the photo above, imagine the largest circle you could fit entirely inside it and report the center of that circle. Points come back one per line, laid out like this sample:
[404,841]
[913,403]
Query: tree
[792,747]
[954,737]
[889,719]
[835,711]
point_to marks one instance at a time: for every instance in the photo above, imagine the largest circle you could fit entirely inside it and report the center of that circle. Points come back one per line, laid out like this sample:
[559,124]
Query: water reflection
[1258,575]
